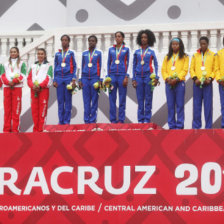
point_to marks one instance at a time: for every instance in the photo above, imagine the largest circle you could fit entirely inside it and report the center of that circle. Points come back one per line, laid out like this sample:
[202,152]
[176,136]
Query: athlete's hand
[156,82]
[80,85]
[36,89]
[173,82]
[101,85]
[221,83]
[74,84]
[134,84]
[207,82]
[197,82]
[168,81]
[125,82]
[55,84]
[11,84]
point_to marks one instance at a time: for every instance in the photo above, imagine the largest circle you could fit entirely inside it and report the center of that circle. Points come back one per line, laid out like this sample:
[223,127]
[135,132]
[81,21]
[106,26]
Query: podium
[101,127]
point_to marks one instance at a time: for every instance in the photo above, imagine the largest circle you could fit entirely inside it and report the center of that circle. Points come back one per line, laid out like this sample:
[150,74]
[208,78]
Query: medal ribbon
[118,52]
[13,67]
[203,58]
[91,56]
[143,54]
[64,55]
[174,60]
[38,69]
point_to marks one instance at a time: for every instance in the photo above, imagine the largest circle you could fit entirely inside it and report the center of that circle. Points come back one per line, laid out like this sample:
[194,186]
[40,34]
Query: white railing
[29,41]
[19,39]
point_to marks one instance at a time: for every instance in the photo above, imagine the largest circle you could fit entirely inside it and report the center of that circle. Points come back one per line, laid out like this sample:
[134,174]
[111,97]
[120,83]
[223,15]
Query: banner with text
[107,177]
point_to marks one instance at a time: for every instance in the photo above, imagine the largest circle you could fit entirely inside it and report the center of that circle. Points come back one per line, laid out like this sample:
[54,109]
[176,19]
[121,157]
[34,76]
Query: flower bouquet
[36,83]
[107,84]
[203,78]
[70,88]
[152,82]
[172,77]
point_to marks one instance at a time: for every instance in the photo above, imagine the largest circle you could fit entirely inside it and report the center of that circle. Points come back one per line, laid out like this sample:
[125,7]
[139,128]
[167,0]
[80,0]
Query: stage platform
[100,127]
[116,173]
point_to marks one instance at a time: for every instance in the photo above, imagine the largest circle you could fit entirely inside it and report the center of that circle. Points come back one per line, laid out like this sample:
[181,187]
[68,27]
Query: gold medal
[90,65]
[63,64]
[117,62]
[203,68]
[118,52]
[173,68]
[143,55]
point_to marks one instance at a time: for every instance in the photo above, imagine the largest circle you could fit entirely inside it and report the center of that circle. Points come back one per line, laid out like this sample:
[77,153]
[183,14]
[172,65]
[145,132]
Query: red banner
[107,177]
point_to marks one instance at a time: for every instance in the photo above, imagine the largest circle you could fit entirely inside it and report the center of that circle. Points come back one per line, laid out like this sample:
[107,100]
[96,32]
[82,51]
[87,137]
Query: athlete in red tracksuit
[39,81]
[13,75]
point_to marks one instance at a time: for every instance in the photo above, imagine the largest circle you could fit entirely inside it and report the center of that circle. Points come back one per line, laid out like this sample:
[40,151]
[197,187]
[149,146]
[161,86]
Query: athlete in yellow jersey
[202,73]
[174,69]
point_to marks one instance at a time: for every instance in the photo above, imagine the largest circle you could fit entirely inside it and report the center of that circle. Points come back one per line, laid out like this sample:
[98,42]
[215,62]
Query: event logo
[221,1]
[211,180]
[127,10]
[38,173]
[5,5]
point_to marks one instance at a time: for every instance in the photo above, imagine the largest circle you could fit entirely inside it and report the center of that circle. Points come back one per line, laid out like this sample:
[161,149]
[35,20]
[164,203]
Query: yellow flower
[153,76]
[96,85]
[36,83]
[16,76]
[107,82]
[204,73]
[69,87]
[108,79]
[174,75]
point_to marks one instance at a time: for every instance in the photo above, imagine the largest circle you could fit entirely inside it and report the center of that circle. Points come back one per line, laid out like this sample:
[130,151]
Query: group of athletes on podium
[205,67]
